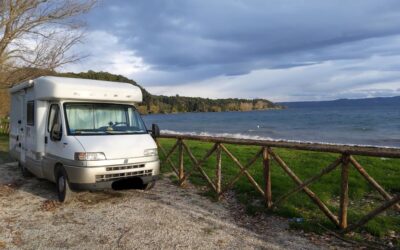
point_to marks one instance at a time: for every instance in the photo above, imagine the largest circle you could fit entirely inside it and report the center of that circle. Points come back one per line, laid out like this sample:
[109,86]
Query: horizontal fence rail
[319,147]
[266,154]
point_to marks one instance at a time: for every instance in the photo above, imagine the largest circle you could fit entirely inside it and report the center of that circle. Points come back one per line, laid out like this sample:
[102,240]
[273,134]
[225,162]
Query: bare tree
[37,35]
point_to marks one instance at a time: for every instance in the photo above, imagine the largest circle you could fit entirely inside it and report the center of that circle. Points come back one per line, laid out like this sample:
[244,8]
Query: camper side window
[52,114]
[54,122]
[30,113]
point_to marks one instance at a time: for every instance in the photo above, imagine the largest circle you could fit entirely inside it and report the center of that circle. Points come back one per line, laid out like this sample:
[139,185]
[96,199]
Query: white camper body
[86,131]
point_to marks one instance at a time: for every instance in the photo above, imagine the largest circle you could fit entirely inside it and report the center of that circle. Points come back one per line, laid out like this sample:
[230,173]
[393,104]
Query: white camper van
[81,134]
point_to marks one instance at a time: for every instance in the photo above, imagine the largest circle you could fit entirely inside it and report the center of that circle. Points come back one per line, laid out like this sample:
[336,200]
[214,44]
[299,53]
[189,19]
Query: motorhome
[81,134]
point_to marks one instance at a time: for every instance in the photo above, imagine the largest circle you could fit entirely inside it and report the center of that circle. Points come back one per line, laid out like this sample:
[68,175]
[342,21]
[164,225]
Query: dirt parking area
[166,217]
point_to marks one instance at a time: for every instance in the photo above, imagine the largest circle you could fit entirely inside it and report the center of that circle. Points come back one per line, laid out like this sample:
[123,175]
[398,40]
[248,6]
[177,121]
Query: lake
[363,123]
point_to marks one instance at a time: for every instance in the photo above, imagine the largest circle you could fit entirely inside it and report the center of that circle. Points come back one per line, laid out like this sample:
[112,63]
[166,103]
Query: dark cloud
[185,42]
[171,35]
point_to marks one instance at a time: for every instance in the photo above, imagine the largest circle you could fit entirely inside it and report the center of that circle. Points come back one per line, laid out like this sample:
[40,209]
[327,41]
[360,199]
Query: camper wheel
[25,172]
[63,189]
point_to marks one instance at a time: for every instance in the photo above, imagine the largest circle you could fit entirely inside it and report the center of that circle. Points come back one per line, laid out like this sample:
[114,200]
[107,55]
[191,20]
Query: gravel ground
[166,217]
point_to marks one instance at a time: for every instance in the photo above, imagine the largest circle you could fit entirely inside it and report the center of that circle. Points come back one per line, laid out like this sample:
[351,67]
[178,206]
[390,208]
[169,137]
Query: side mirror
[155,130]
[55,132]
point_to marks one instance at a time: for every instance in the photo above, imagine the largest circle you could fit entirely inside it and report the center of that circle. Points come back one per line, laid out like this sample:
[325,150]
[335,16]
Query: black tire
[24,171]
[149,185]
[64,192]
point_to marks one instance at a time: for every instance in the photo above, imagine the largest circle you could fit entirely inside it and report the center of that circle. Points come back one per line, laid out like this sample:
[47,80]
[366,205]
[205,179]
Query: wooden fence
[267,153]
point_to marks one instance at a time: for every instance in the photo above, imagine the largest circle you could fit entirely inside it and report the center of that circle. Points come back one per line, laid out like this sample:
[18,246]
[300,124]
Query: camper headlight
[150,152]
[83,156]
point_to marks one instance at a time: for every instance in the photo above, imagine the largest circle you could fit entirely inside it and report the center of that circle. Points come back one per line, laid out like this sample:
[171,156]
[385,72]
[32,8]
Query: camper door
[21,126]
[54,131]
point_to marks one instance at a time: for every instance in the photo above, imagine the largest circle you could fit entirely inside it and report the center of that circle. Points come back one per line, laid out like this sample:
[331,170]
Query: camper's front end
[114,145]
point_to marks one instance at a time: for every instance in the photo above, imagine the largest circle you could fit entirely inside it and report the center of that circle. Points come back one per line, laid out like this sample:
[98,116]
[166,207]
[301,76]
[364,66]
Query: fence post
[181,169]
[267,178]
[218,181]
[344,195]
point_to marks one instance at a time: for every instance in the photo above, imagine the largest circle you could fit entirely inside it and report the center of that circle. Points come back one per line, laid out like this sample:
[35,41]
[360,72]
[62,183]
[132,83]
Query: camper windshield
[102,119]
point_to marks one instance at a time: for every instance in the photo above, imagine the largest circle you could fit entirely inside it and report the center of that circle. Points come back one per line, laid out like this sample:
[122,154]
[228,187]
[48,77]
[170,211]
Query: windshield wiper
[135,132]
[124,132]
[114,132]
[88,132]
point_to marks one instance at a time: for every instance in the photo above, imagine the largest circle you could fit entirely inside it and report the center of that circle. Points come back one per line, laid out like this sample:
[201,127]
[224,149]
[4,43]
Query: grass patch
[4,156]
[305,164]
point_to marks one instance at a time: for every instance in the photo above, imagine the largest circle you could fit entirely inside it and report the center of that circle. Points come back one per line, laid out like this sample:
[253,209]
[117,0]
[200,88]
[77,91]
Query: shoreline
[269,139]
[227,111]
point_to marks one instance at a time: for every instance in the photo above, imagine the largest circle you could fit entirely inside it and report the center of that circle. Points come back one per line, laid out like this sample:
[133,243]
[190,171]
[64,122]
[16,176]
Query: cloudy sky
[281,50]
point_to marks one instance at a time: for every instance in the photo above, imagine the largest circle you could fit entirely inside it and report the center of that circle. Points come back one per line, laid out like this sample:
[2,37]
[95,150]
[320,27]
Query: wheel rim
[61,183]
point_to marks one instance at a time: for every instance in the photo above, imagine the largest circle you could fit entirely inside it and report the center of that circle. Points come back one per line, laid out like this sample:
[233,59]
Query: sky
[282,50]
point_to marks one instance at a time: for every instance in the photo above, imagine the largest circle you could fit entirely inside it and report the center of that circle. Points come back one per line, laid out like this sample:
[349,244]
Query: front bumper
[106,184]
[99,176]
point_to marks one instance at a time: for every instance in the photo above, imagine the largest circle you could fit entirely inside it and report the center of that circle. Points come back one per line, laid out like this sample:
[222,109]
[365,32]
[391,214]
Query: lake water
[361,124]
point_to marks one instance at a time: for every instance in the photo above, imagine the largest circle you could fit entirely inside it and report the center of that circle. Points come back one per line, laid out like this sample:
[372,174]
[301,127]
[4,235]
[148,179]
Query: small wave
[256,137]
[362,129]
[228,135]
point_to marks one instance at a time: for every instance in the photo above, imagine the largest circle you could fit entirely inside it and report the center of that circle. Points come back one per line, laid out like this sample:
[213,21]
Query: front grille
[107,177]
[124,167]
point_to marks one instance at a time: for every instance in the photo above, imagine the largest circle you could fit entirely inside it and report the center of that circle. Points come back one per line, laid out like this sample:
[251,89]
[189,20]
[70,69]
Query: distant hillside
[173,104]
[365,102]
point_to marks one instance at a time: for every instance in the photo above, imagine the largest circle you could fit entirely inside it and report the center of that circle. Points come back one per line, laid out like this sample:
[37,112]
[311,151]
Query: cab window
[54,123]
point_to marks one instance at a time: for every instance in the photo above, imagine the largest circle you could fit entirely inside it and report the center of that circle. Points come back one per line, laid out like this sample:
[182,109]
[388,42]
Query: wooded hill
[172,104]
[152,104]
